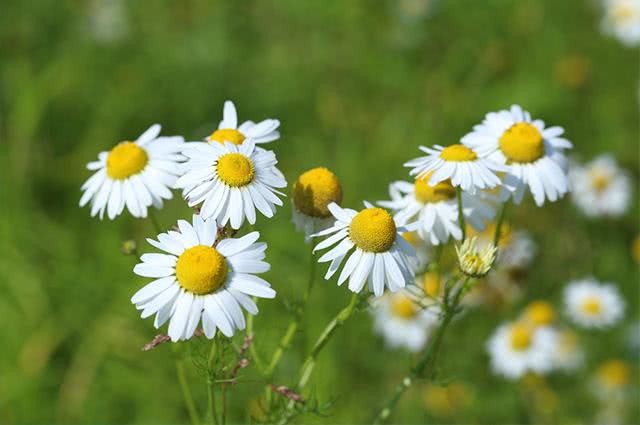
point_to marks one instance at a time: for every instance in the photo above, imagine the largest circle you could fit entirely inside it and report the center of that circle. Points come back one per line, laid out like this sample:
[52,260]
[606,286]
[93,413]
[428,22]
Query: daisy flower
[532,152]
[517,348]
[613,375]
[622,20]
[231,181]
[135,174]
[600,188]
[591,304]
[457,163]
[435,208]
[567,355]
[202,279]
[402,322]
[539,313]
[229,131]
[312,193]
[376,251]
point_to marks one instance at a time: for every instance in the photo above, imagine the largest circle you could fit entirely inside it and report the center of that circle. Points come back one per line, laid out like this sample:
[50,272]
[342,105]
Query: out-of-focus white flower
[567,354]
[622,20]
[591,304]
[516,249]
[600,187]
[402,322]
[475,261]
[539,313]
[107,20]
[517,348]
[312,193]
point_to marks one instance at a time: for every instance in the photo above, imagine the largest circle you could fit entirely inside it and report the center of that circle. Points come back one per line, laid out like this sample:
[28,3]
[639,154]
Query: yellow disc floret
[235,169]
[373,230]
[614,373]
[125,160]
[431,284]
[540,313]
[315,190]
[403,307]
[425,193]
[592,306]
[600,179]
[520,336]
[458,153]
[522,142]
[201,269]
[227,135]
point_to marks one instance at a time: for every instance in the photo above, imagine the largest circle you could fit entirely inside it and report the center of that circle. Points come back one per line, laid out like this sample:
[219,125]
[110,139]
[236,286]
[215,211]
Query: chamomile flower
[613,375]
[135,175]
[229,131]
[600,188]
[457,163]
[231,181]
[474,261]
[539,313]
[622,20]
[202,279]
[591,304]
[435,208]
[312,193]
[402,322]
[376,251]
[532,152]
[567,355]
[517,348]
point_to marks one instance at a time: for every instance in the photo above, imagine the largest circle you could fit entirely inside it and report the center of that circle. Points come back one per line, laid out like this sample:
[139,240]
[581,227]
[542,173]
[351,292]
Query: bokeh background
[357,85]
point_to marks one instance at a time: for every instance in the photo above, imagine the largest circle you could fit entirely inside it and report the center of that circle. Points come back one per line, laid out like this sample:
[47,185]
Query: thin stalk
[461,222]
[501,214]
[223,402]
[427,359]
[184,386]
[285,342]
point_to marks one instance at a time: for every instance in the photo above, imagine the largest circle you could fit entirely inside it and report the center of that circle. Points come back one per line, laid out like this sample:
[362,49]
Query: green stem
[501,214]
[184,386]
[461,222]
[223,402]
[428,358]
[285,342]
[211,381]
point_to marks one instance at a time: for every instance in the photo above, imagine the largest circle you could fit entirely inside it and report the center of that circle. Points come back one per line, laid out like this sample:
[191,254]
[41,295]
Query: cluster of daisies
[537,342]
[203,276]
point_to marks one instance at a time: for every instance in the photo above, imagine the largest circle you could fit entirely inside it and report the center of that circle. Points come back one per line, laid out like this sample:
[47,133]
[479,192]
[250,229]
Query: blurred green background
[357,85]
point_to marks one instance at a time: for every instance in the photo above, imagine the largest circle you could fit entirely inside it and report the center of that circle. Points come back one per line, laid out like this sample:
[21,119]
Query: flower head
[622,20]
[229,130]
[473,261]
[313,191]
[202,279]
[591,304]
[134,174]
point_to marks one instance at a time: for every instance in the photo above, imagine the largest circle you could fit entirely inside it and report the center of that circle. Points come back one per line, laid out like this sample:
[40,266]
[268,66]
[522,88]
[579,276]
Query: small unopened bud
[474,261]
[129,247]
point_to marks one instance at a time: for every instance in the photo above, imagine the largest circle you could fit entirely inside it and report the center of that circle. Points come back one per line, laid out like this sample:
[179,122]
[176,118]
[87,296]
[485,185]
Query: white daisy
[381,254]
[314,190]
[202,279]
[613,376]
[532,153]
[457,163]
[229,131]
[591,304]
[600,188]
[568,355]
[539,313]
[435,209]
[517,348]
[231,181]
[622,20]
[402,322]
[134,174]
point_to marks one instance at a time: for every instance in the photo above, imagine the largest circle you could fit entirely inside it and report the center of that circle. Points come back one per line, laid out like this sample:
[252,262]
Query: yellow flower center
[614,373]
[600,180]
[201,269]
[431,194]
[315,190]
[414,240]
[227,135]
[540,313]
[622,13]
[403,307]
[522,142]
[125,160]
[373,230]
[235,169]
[520,337]
[458,153]
[592,306]
[431,284]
